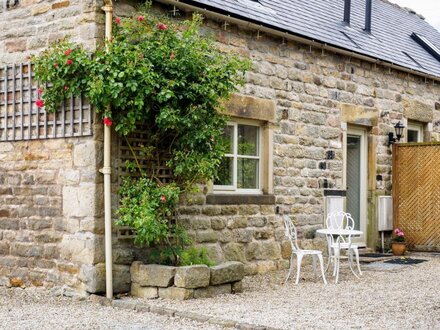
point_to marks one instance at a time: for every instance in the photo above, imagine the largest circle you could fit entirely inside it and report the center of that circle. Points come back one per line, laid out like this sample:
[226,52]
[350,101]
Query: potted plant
[398,243]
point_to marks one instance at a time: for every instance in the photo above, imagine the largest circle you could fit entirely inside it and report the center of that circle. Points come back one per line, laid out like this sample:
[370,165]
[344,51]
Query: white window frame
[418,127]
[232,189]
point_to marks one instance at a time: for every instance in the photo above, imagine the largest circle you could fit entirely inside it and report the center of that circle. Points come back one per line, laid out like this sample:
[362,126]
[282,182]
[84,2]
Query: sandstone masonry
[51,221]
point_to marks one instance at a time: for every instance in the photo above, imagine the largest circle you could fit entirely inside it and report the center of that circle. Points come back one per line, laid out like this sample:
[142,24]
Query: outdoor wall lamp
[399,130]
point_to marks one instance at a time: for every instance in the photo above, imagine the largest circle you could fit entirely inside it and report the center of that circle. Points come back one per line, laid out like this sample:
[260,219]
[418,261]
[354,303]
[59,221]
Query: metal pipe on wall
[107,171]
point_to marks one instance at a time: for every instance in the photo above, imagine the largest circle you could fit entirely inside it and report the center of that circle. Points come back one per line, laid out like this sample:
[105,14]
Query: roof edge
[259,26]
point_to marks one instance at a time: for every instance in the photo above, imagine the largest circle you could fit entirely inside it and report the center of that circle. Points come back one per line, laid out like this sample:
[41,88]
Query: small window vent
[427,45]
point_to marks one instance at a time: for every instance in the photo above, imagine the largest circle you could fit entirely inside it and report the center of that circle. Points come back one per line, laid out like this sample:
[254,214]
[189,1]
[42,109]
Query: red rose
[163,199]
[39,103]
[69,62]
[140,18]
[55,65]
[108,121]
[161,26]
[117,20]
[67,52]
[40,91]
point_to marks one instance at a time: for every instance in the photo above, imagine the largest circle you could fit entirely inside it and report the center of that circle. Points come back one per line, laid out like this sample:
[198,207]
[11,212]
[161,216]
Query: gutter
[208,12]
[107,171]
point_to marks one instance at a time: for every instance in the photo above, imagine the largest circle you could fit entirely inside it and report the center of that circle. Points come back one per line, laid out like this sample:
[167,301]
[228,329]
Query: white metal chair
[291,234]
[341,220]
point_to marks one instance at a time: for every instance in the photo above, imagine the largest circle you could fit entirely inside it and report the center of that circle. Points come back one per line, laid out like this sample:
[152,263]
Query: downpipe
[107,171]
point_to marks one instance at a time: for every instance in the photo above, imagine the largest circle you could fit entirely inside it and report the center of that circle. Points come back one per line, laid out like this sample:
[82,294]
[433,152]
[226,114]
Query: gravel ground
[399,297]
[33,308]
[391,297]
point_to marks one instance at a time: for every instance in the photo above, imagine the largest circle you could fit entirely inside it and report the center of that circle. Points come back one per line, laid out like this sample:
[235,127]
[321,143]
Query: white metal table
[339,233]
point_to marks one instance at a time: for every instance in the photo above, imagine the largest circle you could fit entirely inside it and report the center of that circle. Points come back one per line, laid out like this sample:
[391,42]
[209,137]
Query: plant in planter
[398,242]
[171,79]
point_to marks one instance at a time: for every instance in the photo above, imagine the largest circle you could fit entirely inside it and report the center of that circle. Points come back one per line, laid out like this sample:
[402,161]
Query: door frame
[363,133]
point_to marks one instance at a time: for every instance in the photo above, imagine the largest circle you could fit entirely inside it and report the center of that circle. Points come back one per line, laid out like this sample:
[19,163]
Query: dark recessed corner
[240,199]
[331,192]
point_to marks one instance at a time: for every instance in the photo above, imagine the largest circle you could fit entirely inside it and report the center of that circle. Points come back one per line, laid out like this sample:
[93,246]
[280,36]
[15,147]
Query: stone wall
[317,95]
[51,221]
[51,192]
[31,25]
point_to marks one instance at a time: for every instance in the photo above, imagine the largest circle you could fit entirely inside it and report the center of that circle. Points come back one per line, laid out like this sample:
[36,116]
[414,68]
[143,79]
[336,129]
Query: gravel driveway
[35,309]
[392,297]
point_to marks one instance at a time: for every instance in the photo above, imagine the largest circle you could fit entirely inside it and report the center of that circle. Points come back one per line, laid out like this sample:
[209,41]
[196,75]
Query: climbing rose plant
[169,78]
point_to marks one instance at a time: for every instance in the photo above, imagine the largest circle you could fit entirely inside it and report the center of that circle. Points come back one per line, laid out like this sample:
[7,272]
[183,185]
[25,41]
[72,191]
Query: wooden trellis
[416,193]
[135,143]
[21,119]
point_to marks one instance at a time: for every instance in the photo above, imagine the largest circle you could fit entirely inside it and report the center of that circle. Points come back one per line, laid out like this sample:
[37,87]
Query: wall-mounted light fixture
[399,130]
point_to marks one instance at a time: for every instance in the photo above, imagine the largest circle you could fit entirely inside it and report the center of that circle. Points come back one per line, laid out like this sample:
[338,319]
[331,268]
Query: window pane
[413,136]
[225,172]
[247,140]
[247,173]
[228,139]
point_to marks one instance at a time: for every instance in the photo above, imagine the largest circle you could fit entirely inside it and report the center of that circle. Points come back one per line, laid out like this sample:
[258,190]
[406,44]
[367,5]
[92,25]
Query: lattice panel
[416,193]
[136,142]
[21,119]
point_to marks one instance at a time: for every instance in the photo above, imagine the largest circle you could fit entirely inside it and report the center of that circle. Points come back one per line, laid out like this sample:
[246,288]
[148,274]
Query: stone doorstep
[201,318]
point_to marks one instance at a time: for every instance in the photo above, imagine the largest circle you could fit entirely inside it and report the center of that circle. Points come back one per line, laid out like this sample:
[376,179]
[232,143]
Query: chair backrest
[339,220]
[291,233]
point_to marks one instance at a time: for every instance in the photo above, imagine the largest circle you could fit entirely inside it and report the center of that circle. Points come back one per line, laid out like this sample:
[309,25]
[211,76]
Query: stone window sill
[231,199]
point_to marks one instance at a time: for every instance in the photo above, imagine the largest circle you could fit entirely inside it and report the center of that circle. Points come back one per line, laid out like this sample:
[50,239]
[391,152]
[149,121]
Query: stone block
[269,251]
[231,271]
[258,221]
[4,248]
[243,235]
[218,223]
[40,9]
[82,201]
[93,276]
[355,114]
[26,249]
[144,291]
[251,107]
[192,277]
[4,213]
[234,252]
[200,223]
[266,266]
[176,293]
[212,291]
[84,248]
[417,110]
[85,154]
[152,275]
[61,4]
[237,222]
[237,287]
[207,236]
[250,269]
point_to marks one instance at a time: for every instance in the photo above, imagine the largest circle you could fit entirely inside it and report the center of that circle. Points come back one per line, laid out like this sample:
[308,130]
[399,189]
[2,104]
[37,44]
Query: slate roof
[321,20]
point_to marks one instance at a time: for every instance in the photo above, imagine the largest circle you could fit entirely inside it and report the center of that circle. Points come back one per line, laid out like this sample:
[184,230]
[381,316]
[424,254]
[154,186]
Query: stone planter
[188,282]
[398,248]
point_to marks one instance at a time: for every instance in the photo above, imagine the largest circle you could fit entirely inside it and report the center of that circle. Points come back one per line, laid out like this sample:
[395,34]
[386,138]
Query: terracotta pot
[399,248]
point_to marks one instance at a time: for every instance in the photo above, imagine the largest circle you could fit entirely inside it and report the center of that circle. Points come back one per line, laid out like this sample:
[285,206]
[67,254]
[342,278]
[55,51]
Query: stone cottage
[330,81]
